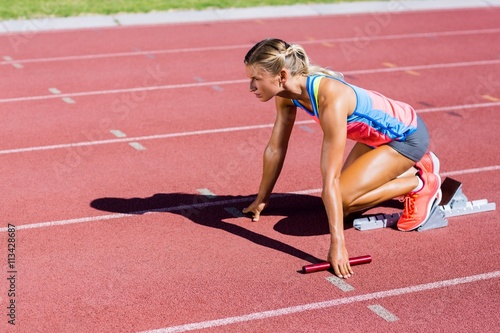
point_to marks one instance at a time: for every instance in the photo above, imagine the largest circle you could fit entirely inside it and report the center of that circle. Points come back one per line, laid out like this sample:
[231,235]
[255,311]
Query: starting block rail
[453,203]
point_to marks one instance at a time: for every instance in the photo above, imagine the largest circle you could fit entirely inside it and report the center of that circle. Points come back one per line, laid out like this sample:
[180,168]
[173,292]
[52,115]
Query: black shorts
[415,145]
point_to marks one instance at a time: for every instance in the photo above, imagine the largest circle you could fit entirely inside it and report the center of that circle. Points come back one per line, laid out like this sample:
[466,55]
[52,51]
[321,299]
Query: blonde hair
[272,55]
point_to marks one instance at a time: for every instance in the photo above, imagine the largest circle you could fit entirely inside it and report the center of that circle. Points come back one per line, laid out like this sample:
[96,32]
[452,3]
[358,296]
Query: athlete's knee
[348,203]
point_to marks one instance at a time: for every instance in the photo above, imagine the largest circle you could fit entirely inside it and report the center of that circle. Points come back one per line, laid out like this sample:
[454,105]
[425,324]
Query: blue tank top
[376,119]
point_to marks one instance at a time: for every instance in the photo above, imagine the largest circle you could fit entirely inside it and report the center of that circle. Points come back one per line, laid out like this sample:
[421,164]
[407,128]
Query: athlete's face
[264,85]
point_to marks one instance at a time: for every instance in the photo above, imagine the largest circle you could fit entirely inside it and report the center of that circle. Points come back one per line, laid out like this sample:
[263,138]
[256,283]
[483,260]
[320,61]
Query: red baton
[323,266]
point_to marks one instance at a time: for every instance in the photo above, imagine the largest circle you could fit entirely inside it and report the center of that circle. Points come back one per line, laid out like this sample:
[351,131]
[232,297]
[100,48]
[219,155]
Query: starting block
[453,203]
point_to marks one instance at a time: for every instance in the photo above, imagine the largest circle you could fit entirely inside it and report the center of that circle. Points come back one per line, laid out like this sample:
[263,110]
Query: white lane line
[247,46]
[72,221]
[142,138]
[228,82]
[326,304]
[10,60]
[124,90]
[340,283]
[57,93]
[68,100]
[425,67]
[215,131]
[137,146]
[181,208]
[458,107]
[206,192]
[202,205]
[467,171]
[382,312]
[118,133]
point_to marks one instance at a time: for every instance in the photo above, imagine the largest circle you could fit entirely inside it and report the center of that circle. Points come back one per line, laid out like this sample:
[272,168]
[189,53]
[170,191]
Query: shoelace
[409,205]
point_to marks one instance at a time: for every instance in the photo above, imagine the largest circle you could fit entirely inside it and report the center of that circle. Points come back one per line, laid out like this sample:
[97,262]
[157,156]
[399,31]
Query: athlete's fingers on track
[255,213]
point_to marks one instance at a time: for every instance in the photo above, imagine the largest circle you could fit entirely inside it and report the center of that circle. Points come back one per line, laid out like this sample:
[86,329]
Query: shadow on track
[304,214]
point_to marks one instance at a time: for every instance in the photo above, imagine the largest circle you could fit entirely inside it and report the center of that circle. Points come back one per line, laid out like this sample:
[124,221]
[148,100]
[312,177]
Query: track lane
[170,69]
[152,113]
[144,38]
[133,276]
[86,172]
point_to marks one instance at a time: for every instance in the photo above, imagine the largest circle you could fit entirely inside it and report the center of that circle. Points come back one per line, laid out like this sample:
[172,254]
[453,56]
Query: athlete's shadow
[304,215]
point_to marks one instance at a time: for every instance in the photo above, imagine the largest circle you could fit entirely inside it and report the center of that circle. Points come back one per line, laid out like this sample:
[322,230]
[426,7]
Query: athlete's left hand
[255,209]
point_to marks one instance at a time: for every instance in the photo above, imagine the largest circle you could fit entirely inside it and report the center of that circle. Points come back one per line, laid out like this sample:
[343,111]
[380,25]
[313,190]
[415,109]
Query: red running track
[127,154]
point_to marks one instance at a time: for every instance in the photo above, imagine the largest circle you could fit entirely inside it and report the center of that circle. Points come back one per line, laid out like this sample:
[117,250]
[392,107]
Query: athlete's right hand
[339,259]
[255,209]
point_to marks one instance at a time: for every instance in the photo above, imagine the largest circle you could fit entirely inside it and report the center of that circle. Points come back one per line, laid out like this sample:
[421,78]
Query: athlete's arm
[333,112]
[274,154]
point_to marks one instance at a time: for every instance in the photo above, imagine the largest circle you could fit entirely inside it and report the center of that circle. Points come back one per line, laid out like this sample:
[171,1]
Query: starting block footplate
[453,203]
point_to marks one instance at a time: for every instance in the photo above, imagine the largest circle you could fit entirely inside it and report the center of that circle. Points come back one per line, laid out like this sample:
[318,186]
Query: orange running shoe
[429,163]
[419,205]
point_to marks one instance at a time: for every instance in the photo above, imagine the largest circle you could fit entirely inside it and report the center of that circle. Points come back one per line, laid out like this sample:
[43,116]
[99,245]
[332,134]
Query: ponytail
[273,54]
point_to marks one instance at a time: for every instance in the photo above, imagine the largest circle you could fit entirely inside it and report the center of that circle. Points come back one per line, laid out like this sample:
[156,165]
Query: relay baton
[323,266]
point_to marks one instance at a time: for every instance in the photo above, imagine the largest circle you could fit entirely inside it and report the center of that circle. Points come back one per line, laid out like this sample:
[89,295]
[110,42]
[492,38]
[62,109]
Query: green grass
[22,9]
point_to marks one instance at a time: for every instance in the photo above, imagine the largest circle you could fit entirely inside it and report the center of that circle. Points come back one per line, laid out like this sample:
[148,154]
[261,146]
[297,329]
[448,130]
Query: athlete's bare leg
[372,176]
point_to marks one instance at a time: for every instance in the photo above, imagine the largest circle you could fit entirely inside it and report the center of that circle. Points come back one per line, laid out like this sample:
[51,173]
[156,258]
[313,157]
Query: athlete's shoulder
[330,87]
[337,94]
